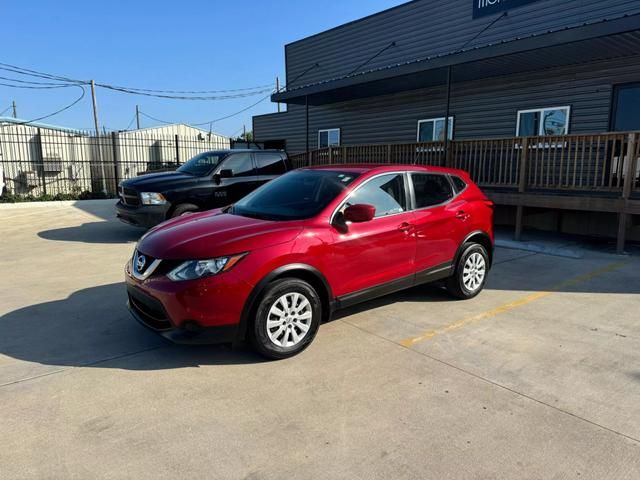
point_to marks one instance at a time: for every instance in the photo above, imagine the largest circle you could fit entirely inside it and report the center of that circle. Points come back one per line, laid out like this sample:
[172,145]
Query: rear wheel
[287,318]
[470,273]
[184,208]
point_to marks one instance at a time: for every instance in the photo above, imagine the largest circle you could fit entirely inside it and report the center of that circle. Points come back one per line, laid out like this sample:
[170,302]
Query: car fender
[260,287]
[474,233]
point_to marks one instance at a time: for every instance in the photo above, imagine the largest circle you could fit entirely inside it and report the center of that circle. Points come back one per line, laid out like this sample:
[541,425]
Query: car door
[270,165]
[439,221]
[243,178]
[374,257]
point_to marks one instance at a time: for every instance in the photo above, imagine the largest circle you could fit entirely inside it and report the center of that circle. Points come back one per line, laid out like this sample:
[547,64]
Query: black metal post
[114,150]
[177,151]
[446,117]
[306,107]
[43,177]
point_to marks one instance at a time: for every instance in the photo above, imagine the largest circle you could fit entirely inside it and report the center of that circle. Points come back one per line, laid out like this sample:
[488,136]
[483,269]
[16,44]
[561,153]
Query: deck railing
[590,163]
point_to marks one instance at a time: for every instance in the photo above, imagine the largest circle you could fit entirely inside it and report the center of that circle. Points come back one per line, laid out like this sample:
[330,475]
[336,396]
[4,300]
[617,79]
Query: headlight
[152,198]
[192,269]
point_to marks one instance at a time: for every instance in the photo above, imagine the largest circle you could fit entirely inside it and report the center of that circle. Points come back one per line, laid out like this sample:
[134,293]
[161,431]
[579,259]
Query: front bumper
[205,311]
[146,216]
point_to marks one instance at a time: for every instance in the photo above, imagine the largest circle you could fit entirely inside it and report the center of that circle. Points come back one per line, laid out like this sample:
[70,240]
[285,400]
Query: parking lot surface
[536,378]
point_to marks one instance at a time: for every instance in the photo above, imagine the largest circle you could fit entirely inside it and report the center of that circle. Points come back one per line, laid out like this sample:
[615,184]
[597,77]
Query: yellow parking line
[408,342]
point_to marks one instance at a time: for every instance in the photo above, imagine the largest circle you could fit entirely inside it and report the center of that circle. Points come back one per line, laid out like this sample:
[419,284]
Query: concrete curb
[56,204]
[549,249]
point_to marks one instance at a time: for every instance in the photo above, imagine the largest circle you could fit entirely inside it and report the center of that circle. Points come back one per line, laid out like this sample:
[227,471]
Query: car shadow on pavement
[95,232]
[92,328]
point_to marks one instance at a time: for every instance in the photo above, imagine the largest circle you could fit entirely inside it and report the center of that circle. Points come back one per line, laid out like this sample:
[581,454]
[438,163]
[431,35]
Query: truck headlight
[152,198]
[192,269]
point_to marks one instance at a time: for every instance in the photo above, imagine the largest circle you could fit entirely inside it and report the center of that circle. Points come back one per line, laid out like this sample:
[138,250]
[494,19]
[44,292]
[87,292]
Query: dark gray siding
[485,108]
[425,28]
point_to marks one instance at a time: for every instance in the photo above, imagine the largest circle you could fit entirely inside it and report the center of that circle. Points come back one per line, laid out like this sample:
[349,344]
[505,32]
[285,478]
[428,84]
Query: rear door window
[270,163]
[240,163]
[431,189]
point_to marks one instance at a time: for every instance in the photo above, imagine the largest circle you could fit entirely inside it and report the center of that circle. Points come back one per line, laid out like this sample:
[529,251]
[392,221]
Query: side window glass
[385,192]
[270,164]
[458,183]
[431,189]
[240,163]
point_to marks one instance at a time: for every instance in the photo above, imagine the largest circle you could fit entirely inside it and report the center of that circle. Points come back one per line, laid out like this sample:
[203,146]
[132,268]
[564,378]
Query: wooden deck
[599,173]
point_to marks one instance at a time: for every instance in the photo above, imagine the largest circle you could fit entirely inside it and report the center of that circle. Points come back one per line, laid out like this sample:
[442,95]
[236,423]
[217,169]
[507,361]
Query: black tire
[183,208]
[455,284]
[259,334]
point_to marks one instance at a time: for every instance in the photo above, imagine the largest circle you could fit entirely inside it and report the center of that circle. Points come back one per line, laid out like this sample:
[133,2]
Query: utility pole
[244,133]
[15,110]
[96,124]
[278,91]
[137,117]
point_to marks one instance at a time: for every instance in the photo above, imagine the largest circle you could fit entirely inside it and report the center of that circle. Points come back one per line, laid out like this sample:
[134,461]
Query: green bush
[85,195]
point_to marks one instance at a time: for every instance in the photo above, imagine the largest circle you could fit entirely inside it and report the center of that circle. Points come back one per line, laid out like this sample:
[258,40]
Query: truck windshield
[294,196]
[201,164]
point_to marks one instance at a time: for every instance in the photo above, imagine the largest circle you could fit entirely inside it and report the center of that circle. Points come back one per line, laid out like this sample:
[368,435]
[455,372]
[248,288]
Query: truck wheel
[183,208]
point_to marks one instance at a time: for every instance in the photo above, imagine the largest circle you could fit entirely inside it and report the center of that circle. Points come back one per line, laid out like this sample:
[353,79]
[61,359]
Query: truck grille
[129,196]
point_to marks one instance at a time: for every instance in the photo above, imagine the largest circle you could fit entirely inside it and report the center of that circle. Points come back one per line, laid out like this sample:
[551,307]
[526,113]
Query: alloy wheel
[289,319]
[474,271]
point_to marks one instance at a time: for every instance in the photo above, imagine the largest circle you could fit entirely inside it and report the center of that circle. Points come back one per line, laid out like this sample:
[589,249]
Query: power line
[57,111]
[6,110]
[17,80]
[33,87]
[259,87]
[183,97]
[165,94]
[166,122]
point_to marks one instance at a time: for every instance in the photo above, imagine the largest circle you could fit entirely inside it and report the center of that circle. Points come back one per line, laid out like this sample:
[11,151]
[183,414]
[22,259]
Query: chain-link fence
[57,163]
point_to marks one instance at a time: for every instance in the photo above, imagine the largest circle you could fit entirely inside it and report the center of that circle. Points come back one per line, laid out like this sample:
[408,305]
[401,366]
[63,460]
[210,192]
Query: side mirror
[226,173]
[359,213]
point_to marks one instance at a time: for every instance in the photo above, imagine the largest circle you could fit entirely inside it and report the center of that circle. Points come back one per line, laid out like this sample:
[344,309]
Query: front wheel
[287,318]
[470,273]
[183,209]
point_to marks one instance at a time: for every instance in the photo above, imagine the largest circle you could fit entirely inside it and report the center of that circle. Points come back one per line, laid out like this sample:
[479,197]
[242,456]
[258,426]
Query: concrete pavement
[537,377]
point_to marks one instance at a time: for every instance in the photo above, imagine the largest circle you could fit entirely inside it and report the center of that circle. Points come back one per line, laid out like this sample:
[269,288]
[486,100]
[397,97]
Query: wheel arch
[302,271]
[477,236]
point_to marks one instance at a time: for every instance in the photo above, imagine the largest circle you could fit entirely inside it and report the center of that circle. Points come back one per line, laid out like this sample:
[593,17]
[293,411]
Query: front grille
[129,196]
[150,311]
[142,263]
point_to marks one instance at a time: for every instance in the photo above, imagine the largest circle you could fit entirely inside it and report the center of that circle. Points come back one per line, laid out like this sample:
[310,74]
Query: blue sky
[178,45]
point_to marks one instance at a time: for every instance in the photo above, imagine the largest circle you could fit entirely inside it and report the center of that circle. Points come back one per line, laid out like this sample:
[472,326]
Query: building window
[626,105]
[432,130]
[543,121]
[328,137]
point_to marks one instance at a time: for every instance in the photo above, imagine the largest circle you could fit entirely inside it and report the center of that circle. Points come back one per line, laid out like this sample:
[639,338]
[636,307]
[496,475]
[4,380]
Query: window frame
[613,110]
[329,130]
[541,126]
[256,162]
[413,192]
[434,120]
[408,191]
[221,165]
[407,194]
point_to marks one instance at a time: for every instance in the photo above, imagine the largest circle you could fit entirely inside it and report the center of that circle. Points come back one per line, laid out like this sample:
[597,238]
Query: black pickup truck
[209,180]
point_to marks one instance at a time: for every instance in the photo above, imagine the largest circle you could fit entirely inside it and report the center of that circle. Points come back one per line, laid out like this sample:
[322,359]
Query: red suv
[274,265]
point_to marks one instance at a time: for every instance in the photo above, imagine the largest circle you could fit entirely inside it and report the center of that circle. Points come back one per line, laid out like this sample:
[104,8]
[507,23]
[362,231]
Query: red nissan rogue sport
[274,265]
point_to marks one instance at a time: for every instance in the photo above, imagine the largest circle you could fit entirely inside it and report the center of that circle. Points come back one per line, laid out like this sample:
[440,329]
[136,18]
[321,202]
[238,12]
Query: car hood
[212,234]
[155,182]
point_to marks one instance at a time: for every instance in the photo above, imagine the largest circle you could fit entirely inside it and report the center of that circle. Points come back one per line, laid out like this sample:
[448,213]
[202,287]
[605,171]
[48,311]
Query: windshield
[202,164]
[297,195]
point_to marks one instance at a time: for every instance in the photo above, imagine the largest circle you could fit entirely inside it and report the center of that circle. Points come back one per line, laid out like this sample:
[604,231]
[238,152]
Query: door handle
[462,215]
[405,227]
